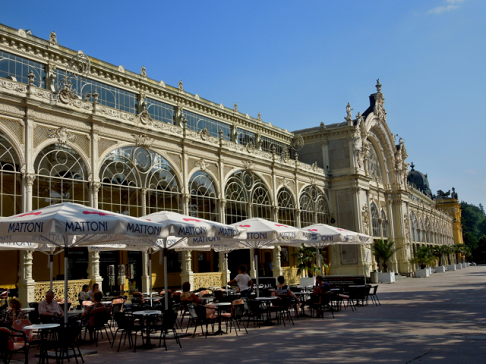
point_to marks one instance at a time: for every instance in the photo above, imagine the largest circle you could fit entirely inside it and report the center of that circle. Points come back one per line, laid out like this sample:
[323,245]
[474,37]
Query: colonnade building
[77,129]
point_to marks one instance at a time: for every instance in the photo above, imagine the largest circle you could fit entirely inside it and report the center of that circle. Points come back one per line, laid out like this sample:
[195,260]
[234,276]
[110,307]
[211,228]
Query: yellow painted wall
[10,268]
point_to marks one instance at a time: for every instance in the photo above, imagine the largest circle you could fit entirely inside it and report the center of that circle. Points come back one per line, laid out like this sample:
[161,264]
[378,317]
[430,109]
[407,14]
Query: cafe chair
[256,312]
[234,317]
[374,297]
[11,343]
[126,325]
[67,343]
[169,321]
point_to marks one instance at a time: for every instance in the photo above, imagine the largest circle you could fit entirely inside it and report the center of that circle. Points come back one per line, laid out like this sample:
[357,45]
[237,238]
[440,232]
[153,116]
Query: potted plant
[423,257]
[383,251]
[450,250]
[307,259]
[439,252]
[458,250]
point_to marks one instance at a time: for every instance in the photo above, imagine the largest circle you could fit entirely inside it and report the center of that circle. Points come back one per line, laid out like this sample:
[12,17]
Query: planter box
[388,277]
[430,271]
[422,273]
[451,267]
[459,266]
[440,269]
[305,282]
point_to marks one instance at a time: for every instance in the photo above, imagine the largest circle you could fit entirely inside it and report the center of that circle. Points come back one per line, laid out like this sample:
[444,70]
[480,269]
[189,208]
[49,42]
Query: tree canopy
[474,230]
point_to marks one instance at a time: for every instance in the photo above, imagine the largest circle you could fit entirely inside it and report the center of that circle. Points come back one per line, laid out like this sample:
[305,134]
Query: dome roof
[420,181]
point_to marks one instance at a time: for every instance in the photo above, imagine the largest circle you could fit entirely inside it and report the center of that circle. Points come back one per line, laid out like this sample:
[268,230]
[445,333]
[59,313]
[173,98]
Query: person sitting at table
[284,289]
[187,296]
[321,289]
[84,295]
[96,288]
[245,284]
[49,309]
[13,313]
[88,316]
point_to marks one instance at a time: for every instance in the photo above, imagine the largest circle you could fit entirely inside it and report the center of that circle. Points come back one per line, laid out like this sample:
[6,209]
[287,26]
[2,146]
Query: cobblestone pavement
[435,320]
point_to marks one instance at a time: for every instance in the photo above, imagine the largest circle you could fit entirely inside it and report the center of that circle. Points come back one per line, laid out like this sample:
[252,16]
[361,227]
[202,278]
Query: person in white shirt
[49,310]
[245,284]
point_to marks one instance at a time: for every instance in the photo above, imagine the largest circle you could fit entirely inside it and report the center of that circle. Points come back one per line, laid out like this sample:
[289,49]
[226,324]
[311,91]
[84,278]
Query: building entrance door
[237,257]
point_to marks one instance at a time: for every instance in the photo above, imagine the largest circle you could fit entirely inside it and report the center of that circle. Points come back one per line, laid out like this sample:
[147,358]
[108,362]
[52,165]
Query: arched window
[242,189]
[384,224]
[422,238]
[61,176]
[128,172]
[374,169]
[428,232]
[375,220]
[313,206]
[203,202]
[414,225]
[10,179]
[286,207]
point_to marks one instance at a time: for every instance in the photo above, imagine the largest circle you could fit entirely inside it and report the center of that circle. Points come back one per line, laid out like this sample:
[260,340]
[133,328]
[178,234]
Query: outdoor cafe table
[146,327]
[266,301]
[44,329]
[219,306]
[304,295]
[27,310]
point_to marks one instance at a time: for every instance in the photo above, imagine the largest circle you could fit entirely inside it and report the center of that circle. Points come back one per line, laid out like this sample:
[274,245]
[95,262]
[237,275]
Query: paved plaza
[436,320]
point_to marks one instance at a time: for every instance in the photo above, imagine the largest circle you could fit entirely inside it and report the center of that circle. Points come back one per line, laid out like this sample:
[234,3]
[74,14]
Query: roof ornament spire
[181,86]
[349,116]
[412,166]
[378,85]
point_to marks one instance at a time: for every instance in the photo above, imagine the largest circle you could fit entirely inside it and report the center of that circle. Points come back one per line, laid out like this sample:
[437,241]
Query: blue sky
[301,62]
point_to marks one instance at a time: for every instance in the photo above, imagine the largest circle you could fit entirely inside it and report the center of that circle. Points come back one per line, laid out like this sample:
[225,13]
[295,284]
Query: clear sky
[301,62]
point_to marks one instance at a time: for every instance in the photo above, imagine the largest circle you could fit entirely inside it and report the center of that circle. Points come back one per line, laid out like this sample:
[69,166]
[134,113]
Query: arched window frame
[286,207]
[313,206]
[243,190]
[128,172]
[61,176]
[375,220]
[384,224]
[203,202]
[10,179]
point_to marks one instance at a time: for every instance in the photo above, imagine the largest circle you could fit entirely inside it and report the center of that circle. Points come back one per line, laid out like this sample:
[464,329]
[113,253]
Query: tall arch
[313,206]
[414,224]
[243,190]
[286,207]
[203,202]
[375,220]
[384,224]
[10,179]
[128,173]
[61,176]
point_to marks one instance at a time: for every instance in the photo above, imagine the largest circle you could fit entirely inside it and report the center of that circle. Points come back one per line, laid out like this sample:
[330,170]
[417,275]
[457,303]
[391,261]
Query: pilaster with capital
[144,201]
[253,269]
[94,189]
[277,263]
[28,179]
[145,273]
[94,268]
[223,263]
[187,275]
[26,284]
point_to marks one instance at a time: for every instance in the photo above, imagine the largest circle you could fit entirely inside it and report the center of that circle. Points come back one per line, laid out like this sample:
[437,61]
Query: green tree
[439,251]
[308,260]
[383,250]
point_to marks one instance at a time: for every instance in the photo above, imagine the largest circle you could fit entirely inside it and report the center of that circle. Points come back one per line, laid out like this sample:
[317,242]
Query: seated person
[284,289]
[245,284]
[187,296]
[84,295]
[13,313]
[87,317]
[96,288]
[322,288]
[49,309]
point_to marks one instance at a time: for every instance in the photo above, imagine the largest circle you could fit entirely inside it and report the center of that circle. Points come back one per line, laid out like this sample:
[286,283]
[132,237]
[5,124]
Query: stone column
[187,275]
[223,262]
[144,201]
[277,264]
[94,268]
[26,284]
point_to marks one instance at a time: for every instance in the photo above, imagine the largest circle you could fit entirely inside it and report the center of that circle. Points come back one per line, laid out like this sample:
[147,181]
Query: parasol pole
[150,276]
[66,262]
[166,301]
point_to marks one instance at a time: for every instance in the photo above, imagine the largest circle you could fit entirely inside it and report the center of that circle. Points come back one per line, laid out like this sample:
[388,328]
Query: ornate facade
[77,129]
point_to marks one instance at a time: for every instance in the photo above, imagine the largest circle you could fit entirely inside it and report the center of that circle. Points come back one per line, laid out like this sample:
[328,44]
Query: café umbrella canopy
[261,233]
[67,225]
[198,232]
[322,235]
